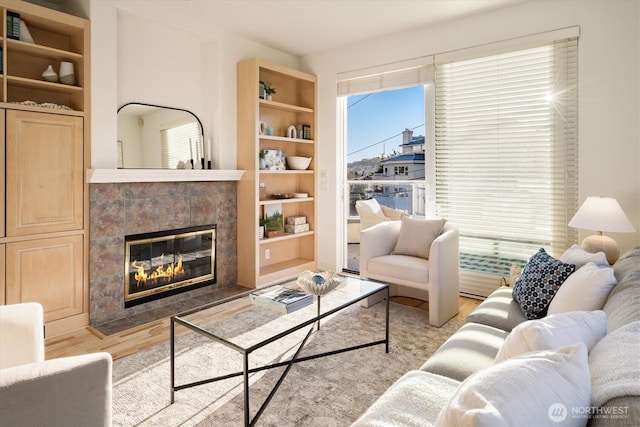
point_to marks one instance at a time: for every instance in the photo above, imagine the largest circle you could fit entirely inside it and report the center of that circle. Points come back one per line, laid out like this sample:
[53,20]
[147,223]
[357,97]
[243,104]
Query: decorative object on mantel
[602,214]
[67,75]
[318,282]
[44,104]
[269,90]
[50,75]
[292,132]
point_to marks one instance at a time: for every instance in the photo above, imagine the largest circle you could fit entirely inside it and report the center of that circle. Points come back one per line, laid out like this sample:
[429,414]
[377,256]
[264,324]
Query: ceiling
[303,27]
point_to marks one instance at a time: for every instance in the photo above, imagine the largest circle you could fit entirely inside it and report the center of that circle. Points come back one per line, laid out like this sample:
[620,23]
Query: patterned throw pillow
[540,279]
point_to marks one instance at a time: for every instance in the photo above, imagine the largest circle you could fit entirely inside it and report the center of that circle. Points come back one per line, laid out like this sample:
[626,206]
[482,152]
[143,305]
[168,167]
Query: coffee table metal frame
[313,322]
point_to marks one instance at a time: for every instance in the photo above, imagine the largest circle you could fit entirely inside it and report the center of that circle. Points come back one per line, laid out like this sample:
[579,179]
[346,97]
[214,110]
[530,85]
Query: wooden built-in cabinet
[270,260]
[45,140]
[45,173]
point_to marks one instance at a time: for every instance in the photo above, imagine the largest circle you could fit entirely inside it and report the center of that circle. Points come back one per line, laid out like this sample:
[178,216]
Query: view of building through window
[385,155]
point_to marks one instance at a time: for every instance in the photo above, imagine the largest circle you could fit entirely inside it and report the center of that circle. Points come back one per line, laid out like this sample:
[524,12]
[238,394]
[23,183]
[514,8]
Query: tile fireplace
[166,263]
[118,210]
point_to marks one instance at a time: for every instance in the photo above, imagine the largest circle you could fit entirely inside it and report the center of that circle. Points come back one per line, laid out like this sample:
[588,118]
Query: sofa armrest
[377,241]
[21,334]
[444,276]
[69,391]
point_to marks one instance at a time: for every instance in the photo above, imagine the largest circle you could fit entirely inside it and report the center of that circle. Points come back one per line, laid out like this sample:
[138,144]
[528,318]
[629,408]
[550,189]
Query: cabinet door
[46,271]
[2,265]
[44,173]
[2,174]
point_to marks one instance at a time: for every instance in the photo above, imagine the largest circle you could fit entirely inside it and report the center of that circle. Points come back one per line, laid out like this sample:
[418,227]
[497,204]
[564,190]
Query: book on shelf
[281,298]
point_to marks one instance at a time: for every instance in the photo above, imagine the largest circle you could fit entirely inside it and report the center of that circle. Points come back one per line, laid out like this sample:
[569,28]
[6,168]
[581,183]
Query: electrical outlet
[267,254]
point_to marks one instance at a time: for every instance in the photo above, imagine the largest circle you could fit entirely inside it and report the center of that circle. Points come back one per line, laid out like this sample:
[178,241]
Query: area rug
[329,391]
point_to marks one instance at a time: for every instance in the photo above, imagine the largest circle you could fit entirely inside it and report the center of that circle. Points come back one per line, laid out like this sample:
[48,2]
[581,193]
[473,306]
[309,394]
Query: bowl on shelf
[298,162]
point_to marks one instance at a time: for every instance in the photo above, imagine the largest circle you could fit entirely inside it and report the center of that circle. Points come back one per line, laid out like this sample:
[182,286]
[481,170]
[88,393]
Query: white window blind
[180,142]
[389,76]
[506,155]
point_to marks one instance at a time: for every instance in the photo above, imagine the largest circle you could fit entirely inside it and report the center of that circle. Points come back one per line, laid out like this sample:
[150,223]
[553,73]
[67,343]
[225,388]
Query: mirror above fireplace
[158,137]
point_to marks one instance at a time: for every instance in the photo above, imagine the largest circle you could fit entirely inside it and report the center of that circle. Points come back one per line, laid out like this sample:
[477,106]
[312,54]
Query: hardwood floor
[89,340]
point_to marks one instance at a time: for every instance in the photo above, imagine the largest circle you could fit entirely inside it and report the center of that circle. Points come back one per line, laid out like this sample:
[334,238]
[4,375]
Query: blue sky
[376,117]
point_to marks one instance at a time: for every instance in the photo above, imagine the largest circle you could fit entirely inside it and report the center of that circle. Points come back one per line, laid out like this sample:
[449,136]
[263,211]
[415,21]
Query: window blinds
[506,154]
[389,76]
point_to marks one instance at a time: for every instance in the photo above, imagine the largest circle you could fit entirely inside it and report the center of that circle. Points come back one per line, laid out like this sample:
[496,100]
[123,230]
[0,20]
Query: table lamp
[602,214]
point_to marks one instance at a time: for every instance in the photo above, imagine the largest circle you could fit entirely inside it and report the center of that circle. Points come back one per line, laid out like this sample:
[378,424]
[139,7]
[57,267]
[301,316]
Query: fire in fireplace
[165,263]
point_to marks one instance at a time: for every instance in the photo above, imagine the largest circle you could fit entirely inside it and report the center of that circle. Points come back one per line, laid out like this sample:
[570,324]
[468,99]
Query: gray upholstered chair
[68,391]
[427,271]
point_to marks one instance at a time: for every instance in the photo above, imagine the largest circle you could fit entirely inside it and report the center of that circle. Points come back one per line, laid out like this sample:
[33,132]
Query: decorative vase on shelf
[49,75]
[67,75]
[269,97]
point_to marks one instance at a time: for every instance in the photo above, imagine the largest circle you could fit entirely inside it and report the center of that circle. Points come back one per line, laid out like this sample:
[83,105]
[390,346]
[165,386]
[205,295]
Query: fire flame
[169,272]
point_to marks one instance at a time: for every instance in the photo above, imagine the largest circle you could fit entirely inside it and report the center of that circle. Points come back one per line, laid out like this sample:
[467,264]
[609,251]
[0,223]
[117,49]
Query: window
[506,155]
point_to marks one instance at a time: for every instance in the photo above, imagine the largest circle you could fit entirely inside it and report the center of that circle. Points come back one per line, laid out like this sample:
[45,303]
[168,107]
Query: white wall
[609,73]
[202,78]
[138,54]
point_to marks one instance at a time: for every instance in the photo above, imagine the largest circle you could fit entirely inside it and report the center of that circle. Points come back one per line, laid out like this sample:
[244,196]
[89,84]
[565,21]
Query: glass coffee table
[211,320]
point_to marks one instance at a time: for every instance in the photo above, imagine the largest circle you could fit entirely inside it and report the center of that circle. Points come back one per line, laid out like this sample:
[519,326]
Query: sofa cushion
[414,400]
[614,365]
[498,310]
[577,256]
[627,263]
[623,304]
[537,388]
[408,268]
[541,277]
[417,235]
[555,331]
[472,348]
[586,289]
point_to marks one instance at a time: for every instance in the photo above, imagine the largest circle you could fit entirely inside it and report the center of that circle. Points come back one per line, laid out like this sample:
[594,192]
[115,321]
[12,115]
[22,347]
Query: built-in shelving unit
[272,259]
[45,151]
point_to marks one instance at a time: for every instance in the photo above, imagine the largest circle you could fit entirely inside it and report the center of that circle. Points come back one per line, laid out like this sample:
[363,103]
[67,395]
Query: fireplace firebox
[165,263]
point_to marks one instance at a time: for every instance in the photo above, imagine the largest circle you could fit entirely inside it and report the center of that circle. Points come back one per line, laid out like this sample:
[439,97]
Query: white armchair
[434,279]
[68,391]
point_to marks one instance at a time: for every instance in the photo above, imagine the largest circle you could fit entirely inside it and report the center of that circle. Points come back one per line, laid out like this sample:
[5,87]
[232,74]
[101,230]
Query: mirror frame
[168,108]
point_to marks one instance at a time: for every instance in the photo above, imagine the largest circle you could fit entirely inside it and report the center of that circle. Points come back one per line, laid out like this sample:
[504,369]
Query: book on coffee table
[281,298]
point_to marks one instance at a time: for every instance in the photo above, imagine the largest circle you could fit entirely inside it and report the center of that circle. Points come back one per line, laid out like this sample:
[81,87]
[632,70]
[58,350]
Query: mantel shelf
[95,176]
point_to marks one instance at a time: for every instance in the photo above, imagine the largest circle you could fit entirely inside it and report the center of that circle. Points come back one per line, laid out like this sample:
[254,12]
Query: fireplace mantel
[161,175]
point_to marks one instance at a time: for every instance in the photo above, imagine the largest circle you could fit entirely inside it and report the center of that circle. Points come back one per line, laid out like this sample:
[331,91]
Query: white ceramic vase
[49,75]
[67,75]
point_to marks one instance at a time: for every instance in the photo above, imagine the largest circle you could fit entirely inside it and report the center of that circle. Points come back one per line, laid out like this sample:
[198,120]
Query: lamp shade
[601,214]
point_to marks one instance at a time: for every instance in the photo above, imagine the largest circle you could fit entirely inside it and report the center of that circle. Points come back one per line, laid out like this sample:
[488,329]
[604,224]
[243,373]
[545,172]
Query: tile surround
[119,209]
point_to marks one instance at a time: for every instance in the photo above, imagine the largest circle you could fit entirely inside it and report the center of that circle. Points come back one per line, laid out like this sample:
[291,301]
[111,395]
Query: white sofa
[434,279]
[69,391]
[465,377]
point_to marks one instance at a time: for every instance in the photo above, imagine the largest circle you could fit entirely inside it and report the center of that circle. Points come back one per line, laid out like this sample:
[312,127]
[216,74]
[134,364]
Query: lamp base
[600,243]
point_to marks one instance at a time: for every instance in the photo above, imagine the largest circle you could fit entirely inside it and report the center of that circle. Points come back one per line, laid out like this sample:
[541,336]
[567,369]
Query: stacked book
[281,298]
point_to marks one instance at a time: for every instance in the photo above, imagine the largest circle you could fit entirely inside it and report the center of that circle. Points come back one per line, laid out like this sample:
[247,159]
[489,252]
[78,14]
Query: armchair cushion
[372,213]
[417,235]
